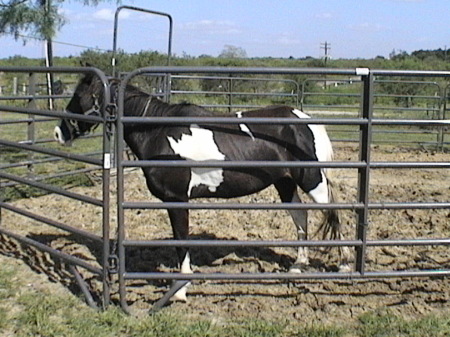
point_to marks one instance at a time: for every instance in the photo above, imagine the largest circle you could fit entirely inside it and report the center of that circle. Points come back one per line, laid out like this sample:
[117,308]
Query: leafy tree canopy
[38,18]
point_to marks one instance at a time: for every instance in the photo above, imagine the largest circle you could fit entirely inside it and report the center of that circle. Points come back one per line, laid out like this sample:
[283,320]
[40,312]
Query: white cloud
[104,14]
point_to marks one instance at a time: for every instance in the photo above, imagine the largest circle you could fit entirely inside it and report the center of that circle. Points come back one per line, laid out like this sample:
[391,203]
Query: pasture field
[402,307]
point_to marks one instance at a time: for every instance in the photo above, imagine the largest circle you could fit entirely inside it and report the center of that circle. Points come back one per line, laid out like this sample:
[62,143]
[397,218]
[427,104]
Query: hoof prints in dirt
[320,300]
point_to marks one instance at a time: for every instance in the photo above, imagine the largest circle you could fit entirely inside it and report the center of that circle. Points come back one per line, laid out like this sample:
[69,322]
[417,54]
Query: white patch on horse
[200,146]
[322,143]
[320,192]
[324,152]
[244,128]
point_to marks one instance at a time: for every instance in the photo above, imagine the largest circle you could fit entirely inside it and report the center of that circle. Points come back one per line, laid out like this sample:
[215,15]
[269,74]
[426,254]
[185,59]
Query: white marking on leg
[186,265]
[300,218]
[244,128]
[180,295]
[200,146]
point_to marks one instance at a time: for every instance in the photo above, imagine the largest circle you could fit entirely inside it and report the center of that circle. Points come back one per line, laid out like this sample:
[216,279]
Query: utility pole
[326,46]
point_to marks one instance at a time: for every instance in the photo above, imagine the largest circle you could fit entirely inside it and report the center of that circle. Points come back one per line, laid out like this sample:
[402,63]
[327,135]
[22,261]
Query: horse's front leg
[300,217]
[179,219]
[287,189]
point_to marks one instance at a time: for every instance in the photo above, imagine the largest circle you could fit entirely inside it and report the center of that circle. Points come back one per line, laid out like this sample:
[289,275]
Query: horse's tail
[331,225]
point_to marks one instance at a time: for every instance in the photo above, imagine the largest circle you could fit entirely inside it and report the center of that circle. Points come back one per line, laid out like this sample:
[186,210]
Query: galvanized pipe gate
[362,206]
[103,164]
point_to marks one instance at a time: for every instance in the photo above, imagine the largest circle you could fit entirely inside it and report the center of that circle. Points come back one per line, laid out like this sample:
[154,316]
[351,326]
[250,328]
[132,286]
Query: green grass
[45,313]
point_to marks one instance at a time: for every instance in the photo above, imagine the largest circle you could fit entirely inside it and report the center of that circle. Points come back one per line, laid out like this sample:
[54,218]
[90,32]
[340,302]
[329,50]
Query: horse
[236,142]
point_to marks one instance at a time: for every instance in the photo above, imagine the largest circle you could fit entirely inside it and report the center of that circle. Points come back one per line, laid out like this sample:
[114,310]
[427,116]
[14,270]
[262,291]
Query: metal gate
[363,204]
[364,122]
[31,154]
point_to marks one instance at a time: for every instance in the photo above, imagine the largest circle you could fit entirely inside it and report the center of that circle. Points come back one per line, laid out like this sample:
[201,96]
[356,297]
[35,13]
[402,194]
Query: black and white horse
[240,142]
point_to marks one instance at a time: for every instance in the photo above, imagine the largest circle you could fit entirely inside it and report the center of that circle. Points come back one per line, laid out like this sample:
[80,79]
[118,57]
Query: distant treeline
[418,60]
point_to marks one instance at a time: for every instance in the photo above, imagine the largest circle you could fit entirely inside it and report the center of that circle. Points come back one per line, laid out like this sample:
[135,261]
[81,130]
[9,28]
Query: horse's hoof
[180,295]
[179,298]
[345,268]
[297,268]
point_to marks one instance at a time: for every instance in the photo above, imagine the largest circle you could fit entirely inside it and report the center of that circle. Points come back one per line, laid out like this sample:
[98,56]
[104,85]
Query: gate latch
[113,264]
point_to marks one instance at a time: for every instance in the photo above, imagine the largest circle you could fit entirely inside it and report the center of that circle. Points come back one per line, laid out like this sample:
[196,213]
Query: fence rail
[364,121]
[35,151]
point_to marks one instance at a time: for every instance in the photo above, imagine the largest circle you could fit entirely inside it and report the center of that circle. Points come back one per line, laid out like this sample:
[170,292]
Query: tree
[232,52]
[39,18]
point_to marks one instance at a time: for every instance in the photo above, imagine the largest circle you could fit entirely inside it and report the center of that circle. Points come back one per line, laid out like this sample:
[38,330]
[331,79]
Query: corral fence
[396,97]
[33,164]
[364,123]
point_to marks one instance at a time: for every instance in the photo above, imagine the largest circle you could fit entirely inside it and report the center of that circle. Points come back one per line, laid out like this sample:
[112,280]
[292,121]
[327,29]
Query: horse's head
[86,100]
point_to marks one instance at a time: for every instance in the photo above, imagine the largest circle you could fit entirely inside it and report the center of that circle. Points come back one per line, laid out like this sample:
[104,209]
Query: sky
[263,28]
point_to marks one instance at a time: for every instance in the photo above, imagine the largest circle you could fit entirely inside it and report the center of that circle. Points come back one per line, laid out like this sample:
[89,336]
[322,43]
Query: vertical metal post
[364,172]
[120,196]
[106,176]
[441,116]
[31,132]
[230,94]
[116,29]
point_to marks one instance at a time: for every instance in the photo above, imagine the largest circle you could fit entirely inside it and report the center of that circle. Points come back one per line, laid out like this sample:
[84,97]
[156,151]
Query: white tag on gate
[362,71]
[107,161]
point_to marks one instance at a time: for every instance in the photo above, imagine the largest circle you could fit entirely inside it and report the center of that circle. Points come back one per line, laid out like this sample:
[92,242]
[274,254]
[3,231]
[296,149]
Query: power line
[64,43]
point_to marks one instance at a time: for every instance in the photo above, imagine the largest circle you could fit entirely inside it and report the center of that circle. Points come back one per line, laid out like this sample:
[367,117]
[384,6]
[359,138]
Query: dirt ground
[311,300]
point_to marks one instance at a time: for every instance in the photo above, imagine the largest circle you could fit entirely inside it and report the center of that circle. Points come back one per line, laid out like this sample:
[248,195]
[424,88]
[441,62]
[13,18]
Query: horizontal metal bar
[243,120]
[227,93]
[50,113]
[242,70]
[233,78]
[410,165]
[52,152]
[286,276]
[407,73]
[51,222]
[235,276]
[282,206]
[284,243]
[281,163]
[235,206]
[52,189]
[419,122]
[240,164]
[241,243]
[25,120]
[33,97]
[56,253]
[280,121]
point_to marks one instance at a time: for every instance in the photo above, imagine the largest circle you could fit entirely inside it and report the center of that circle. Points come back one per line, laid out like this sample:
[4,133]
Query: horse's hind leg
[287,189]
[179,219]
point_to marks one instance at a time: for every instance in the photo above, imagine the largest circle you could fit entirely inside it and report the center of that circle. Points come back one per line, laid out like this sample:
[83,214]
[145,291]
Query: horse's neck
[138,135]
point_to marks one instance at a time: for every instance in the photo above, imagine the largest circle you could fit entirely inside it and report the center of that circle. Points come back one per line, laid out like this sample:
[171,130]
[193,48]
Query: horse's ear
[87,78]
[85,64]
